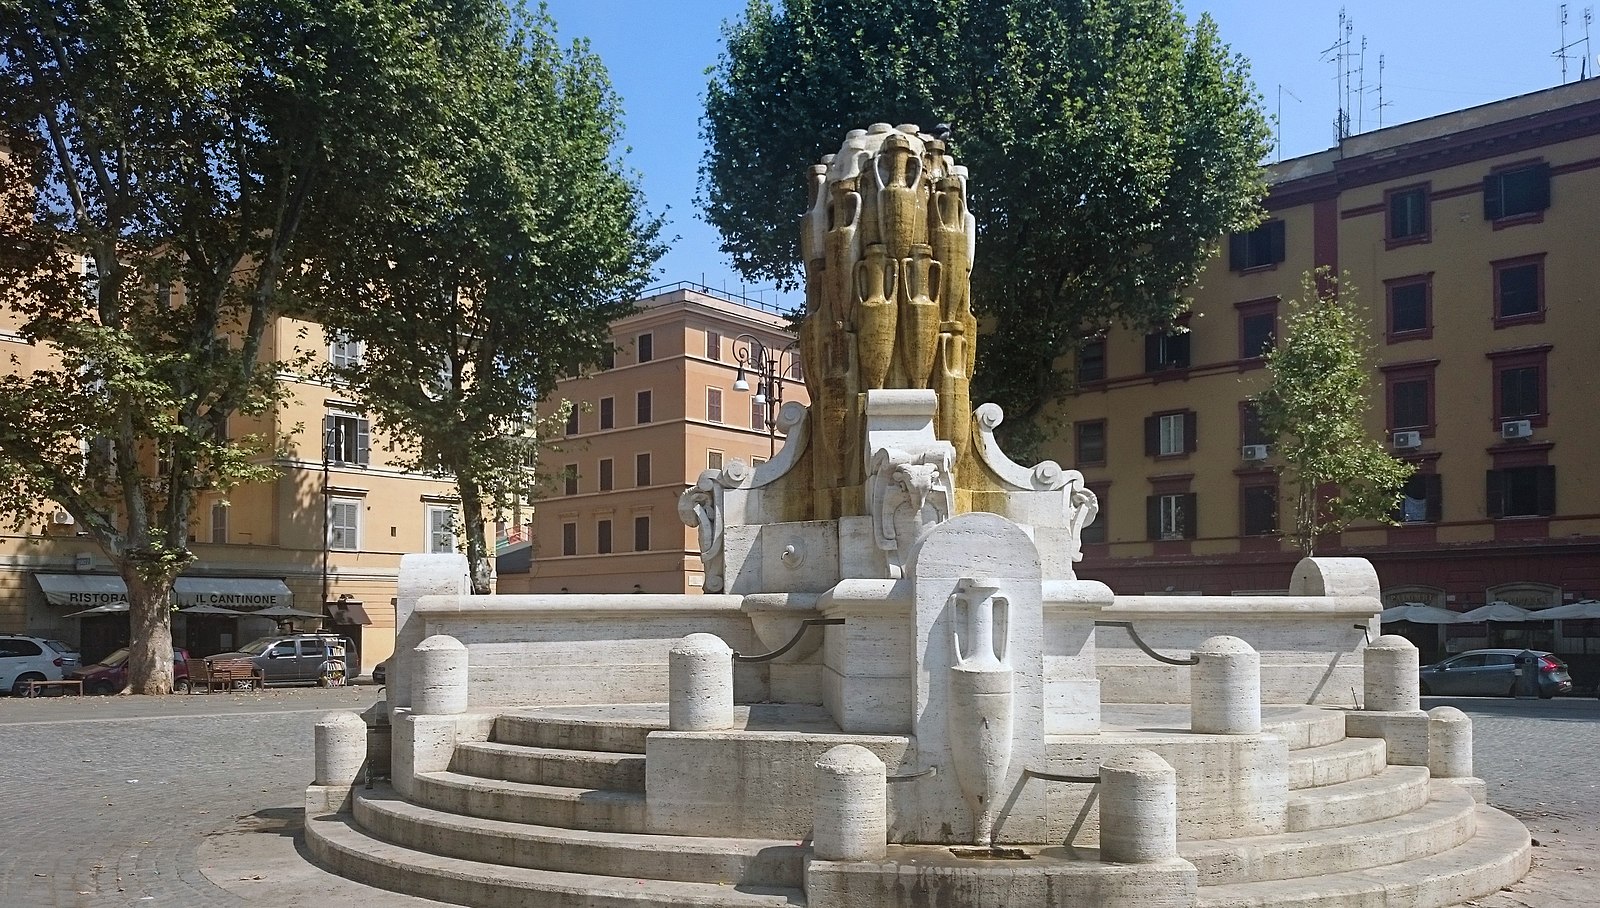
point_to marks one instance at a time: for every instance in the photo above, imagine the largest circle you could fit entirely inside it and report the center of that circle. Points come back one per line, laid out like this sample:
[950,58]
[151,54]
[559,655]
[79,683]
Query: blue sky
[1439,56]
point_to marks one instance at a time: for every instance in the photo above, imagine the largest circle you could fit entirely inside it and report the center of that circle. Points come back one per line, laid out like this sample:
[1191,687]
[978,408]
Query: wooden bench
[224,676]
[37,688]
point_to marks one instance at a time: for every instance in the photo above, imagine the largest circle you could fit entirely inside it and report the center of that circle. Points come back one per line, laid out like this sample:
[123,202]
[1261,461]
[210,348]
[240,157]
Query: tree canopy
[521,240]
[171,167]
[1314,409]
[1110,144]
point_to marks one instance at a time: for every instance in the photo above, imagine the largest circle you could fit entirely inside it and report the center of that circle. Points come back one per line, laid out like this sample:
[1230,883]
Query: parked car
[292,658]
[380,672]
[1492,673]
[110,674]
[24,659]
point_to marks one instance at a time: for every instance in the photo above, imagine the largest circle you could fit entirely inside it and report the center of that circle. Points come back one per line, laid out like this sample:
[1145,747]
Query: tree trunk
[149,630]
[478,554]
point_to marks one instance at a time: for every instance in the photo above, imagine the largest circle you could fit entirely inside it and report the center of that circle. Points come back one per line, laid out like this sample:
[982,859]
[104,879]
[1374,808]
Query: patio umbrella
[1572,611]
[1497,611]
[204,609]
[1419,614]
[110,608]
[281,611]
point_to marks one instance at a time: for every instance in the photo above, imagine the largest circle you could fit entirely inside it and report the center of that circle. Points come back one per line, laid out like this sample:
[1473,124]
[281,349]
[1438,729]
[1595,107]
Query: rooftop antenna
[1561,54]
[1381,102]
[1281,92]
[1340,52]
[1361,86]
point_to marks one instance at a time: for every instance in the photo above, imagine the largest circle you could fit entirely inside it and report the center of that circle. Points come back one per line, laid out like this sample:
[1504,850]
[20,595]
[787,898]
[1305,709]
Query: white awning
[102,592]
[244,594]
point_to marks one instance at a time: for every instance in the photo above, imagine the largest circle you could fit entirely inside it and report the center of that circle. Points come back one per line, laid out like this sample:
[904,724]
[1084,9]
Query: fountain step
[1443,823]
[383,813]
[1308,727]
[346,849]
[1496,856]
[1341,761]
[575,732]
[1394,791]
[599,810]
[550,766]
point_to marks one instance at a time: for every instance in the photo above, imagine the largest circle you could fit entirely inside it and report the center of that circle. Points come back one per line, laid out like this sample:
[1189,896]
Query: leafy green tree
[170,167]
[520,241]
[1314,410]
[1110,145]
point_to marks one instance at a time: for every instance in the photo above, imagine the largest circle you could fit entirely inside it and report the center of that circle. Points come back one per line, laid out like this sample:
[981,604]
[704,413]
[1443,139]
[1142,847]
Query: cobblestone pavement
[193,802]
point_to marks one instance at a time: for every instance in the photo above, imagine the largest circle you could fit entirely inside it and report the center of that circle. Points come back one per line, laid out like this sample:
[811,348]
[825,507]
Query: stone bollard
[1225,688]
[700,684]
[1138,809]
[340,744]
[1449,743]
[439,677]
[851,819]
[1390,681]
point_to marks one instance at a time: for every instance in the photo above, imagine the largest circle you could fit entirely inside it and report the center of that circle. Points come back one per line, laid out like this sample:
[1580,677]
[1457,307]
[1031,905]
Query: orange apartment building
[645,427]
[1471,239]
[325,537]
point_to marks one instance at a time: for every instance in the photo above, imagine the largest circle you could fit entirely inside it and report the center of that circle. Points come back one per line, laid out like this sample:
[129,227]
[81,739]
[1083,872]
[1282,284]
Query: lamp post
[769,366]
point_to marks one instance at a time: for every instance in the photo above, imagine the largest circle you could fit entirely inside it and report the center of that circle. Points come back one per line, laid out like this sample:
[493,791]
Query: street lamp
[769,367]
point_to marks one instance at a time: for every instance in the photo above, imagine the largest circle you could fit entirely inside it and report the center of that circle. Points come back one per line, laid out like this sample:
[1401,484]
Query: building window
[1258,327]
[714,404]
[1259,507]
[347,439]
[641,469]
[1169,434]
[1091,446]
[1519,290]
[602,537]
[1164,351]
[1250,430]
[1171,516]
[757,460]
[758,414]
[607,474]
[441,530]
[1408,391]
[1410,307]
[569,478]
[608,413]
[1521,384]
[714,345]
[344,524]
[569,539]
[1421,499]
[797,370]
[641,534]
[713,460]
[572,421]
[1408,215]
[219,522]
[647,347]
[1519,191]
[1092,360]
[1521,491]
[1258,248]
[642,407]
[608,359]
[344,352]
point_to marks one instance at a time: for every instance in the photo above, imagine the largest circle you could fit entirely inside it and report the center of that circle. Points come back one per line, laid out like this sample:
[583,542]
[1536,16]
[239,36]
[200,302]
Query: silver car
[24,659]
[294,658]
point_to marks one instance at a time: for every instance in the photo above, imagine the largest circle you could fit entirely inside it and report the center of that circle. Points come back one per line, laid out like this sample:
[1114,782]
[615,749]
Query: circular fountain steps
[551,811]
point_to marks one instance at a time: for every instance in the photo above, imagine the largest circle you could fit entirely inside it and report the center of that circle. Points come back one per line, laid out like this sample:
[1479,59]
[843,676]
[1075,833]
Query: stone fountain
[895,689]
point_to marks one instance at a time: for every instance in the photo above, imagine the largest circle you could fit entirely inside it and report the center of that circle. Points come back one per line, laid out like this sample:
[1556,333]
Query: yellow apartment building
[1471,238]
[324,538]
[666,407]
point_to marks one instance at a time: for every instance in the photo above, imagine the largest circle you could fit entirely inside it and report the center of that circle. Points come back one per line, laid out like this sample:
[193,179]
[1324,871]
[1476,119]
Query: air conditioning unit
[1405,441]
[1516,428]
[62,518]
[1254,452]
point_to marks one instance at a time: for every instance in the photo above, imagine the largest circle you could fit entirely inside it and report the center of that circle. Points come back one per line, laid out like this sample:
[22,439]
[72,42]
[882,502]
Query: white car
[24,659]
